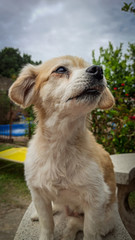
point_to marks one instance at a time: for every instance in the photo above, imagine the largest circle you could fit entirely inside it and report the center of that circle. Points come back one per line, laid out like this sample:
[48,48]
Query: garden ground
[14,196]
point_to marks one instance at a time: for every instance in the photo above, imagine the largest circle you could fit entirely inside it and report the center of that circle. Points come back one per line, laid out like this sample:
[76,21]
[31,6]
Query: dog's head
[65,84]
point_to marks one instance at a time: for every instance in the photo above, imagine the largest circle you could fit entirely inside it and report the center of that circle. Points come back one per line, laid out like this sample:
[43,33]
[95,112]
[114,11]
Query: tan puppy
[64,163]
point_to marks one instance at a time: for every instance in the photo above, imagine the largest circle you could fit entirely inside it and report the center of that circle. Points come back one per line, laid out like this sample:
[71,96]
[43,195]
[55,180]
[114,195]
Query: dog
[64,163]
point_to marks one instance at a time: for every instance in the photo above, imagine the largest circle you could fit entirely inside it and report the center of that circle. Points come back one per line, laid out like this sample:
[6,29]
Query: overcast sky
[50,28]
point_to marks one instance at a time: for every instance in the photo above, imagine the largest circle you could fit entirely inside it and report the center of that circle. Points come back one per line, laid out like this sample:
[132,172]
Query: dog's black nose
[95,71]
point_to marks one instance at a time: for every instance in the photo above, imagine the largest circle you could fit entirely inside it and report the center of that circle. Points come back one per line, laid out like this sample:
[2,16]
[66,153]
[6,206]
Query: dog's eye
[61,70]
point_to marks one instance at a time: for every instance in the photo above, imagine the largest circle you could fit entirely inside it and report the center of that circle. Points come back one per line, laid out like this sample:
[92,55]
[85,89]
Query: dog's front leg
[44,210]
[91,224]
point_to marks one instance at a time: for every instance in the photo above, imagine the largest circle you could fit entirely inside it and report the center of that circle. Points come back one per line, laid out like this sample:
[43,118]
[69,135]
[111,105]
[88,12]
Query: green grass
[131,200]
[5,146]
[12,180]
[13,187]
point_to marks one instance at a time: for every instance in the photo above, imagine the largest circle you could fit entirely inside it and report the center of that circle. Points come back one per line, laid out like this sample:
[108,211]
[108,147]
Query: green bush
[31,122]
[115,128]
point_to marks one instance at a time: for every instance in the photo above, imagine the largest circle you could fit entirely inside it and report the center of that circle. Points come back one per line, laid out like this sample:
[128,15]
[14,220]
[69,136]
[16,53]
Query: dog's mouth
[86,93]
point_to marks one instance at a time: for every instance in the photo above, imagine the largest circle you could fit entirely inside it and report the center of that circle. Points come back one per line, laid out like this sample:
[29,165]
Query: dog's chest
[55,181]
[63,171]
[52,169]
[60,187]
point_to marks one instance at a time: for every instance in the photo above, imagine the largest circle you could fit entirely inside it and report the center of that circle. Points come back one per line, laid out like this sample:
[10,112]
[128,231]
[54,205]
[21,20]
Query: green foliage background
[115,128]
[4,107]
[11,62]
[129,7]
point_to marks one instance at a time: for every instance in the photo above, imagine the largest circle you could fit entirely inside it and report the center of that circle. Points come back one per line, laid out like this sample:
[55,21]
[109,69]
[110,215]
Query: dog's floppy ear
[107,100]
[22,91]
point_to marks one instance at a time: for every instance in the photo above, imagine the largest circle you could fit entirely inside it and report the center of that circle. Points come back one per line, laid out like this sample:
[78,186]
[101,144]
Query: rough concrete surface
[10,219]
[29,230]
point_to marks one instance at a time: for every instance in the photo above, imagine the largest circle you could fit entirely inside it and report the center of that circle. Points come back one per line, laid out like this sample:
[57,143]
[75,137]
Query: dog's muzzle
[94,84]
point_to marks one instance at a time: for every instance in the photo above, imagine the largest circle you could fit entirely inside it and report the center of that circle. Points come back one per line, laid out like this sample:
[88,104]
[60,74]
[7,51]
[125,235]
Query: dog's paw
[69,235]
[34,216]
[46,236]
[93,237]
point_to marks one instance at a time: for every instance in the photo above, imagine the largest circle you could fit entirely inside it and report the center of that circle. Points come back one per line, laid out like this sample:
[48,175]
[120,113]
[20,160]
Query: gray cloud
[46,29]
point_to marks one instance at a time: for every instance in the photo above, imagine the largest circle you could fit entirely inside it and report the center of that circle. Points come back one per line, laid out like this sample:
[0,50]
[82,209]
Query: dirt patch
[9,222]
[11,213]
[14,198]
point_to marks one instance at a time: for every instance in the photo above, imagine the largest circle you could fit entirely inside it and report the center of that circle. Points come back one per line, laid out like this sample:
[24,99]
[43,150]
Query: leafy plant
[115,128]
[31,122]
[11,62]
[129,7]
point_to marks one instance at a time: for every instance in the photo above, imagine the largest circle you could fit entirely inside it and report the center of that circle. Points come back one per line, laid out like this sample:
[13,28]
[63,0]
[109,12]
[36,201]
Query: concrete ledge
[124,167]
[29,230]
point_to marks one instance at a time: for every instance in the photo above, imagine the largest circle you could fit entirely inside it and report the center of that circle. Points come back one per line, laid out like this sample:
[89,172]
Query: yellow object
[14,154]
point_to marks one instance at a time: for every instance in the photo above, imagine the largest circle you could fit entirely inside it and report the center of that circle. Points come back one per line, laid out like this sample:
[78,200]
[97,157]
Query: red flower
[115,88]
[122,84]
[126,94]
[132,117]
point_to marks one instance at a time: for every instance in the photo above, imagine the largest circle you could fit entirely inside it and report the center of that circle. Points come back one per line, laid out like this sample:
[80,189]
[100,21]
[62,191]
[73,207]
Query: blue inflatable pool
[17,129]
